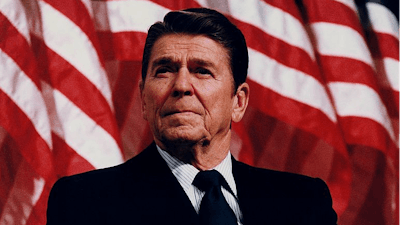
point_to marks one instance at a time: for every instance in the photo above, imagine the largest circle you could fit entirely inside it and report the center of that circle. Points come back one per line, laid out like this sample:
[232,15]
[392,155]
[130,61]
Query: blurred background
[324,102]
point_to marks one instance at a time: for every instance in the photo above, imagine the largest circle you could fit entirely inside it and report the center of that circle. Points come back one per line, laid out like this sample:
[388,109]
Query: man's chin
[182,137]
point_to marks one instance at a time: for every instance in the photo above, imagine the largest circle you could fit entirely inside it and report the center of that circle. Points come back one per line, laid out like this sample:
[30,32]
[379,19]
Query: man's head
[189,94]
[207,22]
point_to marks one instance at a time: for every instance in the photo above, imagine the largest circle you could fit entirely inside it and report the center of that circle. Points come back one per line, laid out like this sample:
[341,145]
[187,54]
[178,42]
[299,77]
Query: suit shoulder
[257,171]
[307,200]
[86,184]
[285,181]
[97,180]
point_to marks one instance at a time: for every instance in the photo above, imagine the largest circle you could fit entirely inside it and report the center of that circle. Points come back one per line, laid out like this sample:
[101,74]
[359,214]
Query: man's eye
[203,71]
[163,70]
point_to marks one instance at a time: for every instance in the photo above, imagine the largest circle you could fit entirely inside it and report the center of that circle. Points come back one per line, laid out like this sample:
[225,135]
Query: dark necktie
[214,210]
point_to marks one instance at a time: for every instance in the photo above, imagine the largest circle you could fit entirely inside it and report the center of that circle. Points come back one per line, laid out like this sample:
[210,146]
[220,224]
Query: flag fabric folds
[323,74]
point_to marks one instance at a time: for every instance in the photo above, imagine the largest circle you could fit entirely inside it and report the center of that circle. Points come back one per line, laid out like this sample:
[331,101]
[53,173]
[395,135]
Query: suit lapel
[160,190]
[153,192]
[252,201]
[265,198]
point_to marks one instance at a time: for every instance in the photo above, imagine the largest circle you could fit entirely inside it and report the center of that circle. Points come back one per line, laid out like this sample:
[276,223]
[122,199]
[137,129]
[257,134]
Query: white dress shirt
[185,174]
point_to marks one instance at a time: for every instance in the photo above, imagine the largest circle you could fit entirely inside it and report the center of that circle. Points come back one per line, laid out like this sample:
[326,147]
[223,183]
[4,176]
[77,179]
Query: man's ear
[142,98]
[240,102]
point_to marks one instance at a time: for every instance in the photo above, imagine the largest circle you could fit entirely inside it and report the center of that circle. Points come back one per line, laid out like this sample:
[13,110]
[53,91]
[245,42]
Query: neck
[203,155]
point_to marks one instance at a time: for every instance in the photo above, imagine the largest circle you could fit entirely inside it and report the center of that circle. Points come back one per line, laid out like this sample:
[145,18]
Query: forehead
[183,47]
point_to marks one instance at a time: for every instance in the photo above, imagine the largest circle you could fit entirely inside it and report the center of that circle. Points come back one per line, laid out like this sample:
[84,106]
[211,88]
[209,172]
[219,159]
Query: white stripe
[360,101]
[119,16]
[382,19]
[15,13]
[66,39]
[24,195]
[272,20]
[80,132]
[32,11]
[289,82]
[88,6]
[349,3]
[25,94]
[341,41]
[392,72]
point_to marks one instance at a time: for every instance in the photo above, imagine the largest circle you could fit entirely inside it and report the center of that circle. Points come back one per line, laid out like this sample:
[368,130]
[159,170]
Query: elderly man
[193,87]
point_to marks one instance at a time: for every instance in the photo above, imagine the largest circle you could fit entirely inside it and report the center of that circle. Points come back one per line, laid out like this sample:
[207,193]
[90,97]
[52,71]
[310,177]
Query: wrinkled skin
[189,100]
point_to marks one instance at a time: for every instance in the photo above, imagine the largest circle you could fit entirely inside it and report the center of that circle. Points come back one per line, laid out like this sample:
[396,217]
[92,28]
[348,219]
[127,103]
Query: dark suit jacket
[143,190]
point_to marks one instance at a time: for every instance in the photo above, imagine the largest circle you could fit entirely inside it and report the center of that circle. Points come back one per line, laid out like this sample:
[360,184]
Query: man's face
[188,94]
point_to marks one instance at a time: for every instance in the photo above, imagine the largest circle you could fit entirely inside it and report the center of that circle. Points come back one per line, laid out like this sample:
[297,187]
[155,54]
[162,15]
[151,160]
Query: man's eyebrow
[161,61]
[169,61]
[202,62]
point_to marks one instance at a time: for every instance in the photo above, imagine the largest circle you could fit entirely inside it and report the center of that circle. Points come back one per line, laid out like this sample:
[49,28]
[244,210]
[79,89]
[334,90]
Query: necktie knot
[206,180]
[214,210]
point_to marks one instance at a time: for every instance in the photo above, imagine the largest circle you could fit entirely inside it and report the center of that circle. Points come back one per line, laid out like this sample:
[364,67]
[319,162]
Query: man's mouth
[173,112]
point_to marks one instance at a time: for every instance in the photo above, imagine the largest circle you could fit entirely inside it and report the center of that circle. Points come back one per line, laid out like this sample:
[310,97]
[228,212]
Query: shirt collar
[185,173]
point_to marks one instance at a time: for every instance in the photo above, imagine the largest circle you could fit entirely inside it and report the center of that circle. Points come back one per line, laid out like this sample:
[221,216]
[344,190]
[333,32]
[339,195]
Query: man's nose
[183,84]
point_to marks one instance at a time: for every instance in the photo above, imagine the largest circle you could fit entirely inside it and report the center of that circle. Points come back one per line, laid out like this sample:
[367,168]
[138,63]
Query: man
[193,87]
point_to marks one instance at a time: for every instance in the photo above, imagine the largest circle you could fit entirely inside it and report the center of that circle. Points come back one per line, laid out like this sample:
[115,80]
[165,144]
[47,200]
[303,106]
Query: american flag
[324,79]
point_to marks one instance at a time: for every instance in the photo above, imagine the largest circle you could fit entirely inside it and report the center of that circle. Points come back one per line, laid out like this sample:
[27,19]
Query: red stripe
[333,12]
[135,130]
[257,128]
[122,45]
[79,15]
[297,114]
[287,6]
[10,160]
[366,132]
[33,148]
[389,96]
[384,45]
[254,131]
[347,70]
[38,214]
[130,45]
[62,76]
[127,82]
[17,47]
[390,99]
[253,34]
[339,69]
[177,4]
[246,153]
[352,71]
[301,146]
[396,104]
[278,50]
[339,182]
[72,162]
[376,189]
